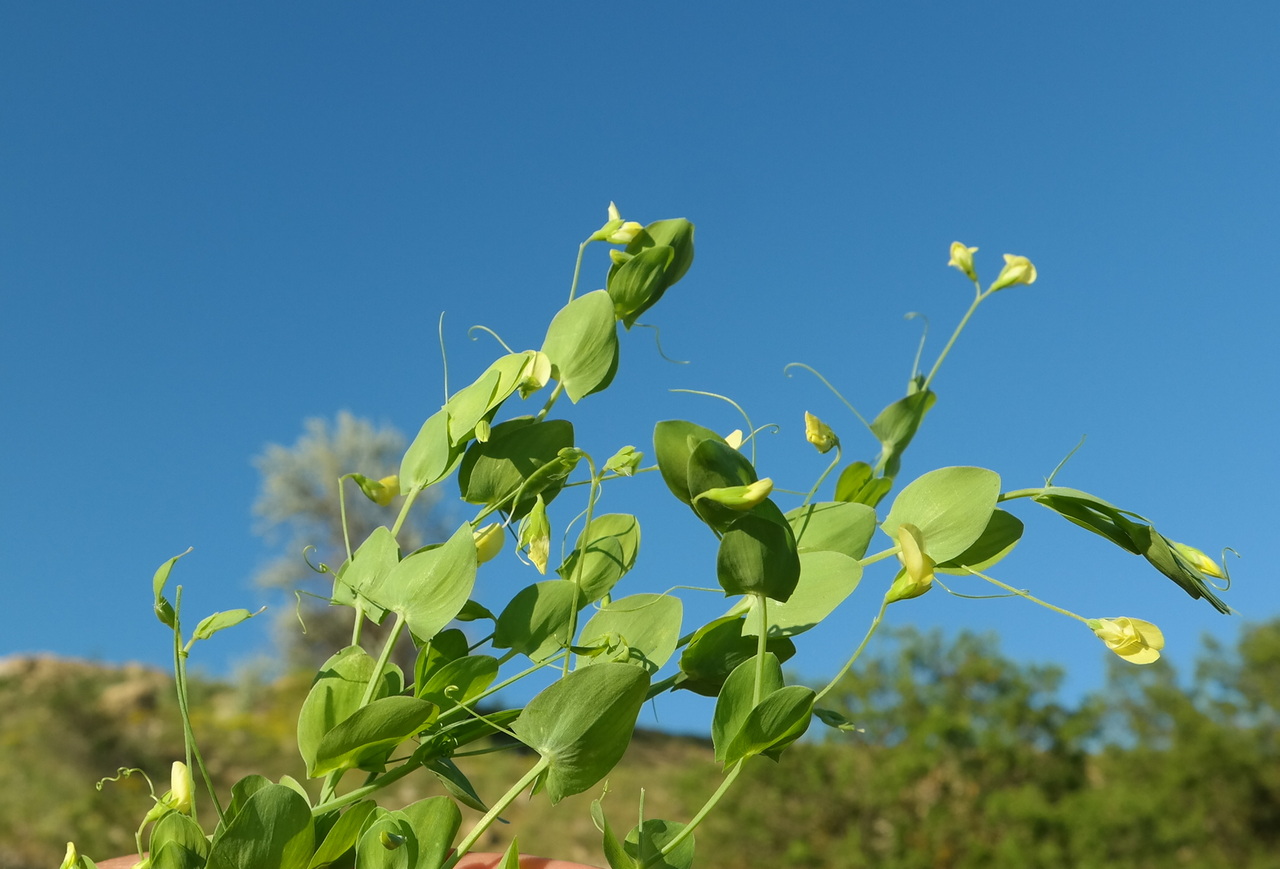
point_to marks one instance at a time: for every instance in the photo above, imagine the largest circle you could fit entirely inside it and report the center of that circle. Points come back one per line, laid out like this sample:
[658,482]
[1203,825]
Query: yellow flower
[616,230]
[535,533]
[537,371]
[181,787]
[1136,641]
[72,860]
[734,438]
[819,433]
[741,498]
[489,540]
[962,258]
[1199,560]
[390,489]
[916,576]
[1017,270]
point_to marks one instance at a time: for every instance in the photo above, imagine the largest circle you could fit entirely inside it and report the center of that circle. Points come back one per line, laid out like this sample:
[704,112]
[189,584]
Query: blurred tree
[298,507]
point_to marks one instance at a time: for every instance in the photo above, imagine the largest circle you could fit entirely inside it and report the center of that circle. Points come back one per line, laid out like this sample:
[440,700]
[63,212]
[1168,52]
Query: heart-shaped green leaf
[758,556]
[273,829]
[582,343]
[517,458]
[646,625]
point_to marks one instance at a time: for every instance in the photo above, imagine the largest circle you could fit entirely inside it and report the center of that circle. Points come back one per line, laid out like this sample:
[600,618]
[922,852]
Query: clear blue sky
[218,220]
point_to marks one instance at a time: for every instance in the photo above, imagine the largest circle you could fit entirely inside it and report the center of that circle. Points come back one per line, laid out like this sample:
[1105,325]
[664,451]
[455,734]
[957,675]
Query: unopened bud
[489,540]
[1200,561]
[819,433]
[1017,270]
[962,258]
[740,498]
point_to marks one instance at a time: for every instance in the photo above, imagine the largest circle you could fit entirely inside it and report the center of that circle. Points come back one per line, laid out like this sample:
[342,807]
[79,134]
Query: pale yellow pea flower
[962,258]
[741,498]
[1200,561]
[489,540]
[917,568]
[1017,270]
[1136,641]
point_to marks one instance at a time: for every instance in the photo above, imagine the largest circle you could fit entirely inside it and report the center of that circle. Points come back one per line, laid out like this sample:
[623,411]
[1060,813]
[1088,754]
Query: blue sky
[217,221]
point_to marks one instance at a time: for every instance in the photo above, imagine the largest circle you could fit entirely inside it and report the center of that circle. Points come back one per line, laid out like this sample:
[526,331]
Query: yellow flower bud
[1017,270]
[489,540]
[626,233]
[962,258]
[1136,641]
[916,576]
[741,498]
[181,787]
[734,438]
[390,489]
[819,433]
[1200,561]
[72,860]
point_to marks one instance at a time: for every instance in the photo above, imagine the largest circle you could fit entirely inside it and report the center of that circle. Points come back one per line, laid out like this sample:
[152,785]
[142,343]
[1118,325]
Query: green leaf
[457,784]
[833,526]
[460,681]
[950,506]
[614,542]
[826,579]
[431,456]
[430,586]
[1002,533]
[634,284]
[779,720]
[446,646]
[342,836]
[334,696]
[1139,537]
[536,621]
[896,426]
[272,831]
[388,842]
[835,720]
[674,441]
[676,234]
[717,648]
[757,556]
[221,621]
[369,565]
[736,700]
[435,822]
[581,725]
[859,485]
[646,842]
[470,405]
[613,850]
[582,343]
[164,609]
[515,456]
[364,738]
[647,627]
[177,842]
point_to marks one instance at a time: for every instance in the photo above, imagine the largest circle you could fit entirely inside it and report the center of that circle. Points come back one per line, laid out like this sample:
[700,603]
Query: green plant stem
[404,510]
[954,335]
[831,467]
[331,780]
[875,623]
[592,495]
[577,269]
[495,812]
[697,819]
[1023,593]
[360,793]
[551,400]
[184,707]
[762,646]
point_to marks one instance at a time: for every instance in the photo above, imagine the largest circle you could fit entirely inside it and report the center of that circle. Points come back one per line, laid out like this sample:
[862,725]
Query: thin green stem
[496,811]
[818,484]
[592,496]
[762,646]
[697,819]
[954,335]
[551,400]
[404,510]
[577,269]
[184,707]
[360,793]
[875,623]
[1023,593]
